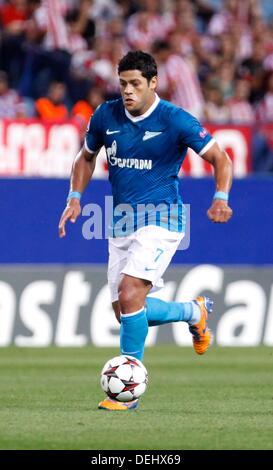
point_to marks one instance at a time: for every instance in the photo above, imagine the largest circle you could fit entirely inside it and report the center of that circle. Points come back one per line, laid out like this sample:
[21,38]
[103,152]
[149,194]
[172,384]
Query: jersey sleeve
[94,134]
[191,133]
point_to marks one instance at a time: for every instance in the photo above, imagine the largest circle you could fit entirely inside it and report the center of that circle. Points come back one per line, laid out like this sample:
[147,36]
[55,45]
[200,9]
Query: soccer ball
[124,378]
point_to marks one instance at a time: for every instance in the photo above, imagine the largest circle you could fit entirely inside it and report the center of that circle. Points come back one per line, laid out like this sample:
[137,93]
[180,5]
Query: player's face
[137,94]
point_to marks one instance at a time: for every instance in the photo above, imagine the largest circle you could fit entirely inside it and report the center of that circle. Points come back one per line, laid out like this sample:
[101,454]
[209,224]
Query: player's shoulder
[111,110]
[115,105]
[107,112]
[174,113]
[167,107]
[184,125]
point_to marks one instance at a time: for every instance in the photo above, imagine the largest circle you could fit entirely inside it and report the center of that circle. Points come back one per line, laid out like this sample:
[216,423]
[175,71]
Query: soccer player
[146,140]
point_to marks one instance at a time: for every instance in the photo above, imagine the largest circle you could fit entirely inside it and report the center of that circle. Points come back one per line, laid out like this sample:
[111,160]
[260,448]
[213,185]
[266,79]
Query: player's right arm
[82,170]
[193,135]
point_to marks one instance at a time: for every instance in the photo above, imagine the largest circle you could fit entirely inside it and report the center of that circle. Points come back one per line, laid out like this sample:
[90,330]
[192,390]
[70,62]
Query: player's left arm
[219,210]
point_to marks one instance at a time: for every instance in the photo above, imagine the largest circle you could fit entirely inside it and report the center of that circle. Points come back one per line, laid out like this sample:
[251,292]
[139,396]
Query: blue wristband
[221,195]
[74,194]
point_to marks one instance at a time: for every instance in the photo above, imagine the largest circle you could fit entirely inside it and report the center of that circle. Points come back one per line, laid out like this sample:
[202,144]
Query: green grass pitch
[222,400]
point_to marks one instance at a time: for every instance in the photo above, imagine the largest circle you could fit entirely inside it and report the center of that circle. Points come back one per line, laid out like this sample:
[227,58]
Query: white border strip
[207,147]
[131,314]
[145,115]
[87,148]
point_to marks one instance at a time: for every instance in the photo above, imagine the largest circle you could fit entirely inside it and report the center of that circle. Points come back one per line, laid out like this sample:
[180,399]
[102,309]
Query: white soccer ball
[124,378]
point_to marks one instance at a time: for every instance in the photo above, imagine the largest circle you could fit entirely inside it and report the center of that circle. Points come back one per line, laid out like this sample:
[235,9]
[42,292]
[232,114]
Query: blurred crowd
[58,58]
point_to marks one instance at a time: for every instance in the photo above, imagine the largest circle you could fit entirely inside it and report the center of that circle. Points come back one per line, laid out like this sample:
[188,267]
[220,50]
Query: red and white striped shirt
[241,112]
[179,77]
[50,18]
[144,28]
[265,108]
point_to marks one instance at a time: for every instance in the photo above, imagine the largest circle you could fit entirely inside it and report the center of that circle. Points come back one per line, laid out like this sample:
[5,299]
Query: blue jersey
[144,156]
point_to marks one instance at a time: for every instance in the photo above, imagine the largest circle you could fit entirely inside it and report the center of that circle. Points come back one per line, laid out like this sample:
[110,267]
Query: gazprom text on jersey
[137,164]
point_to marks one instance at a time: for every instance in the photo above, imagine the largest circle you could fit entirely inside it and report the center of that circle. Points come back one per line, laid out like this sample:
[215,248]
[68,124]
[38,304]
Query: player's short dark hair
[139,60]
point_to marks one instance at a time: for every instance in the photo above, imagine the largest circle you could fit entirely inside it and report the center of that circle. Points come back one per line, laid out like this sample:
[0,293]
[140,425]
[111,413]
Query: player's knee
[127,299]
[129,296]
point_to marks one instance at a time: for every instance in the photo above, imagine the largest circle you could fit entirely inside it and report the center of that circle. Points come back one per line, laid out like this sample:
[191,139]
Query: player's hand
[219,211]
[71,212]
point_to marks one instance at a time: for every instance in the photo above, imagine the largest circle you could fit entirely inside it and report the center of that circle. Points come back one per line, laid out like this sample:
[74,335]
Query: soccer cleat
[113,405]
[201,335]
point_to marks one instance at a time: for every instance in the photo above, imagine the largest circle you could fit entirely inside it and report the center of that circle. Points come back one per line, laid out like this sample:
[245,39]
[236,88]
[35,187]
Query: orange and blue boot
[113,405]
[201,334]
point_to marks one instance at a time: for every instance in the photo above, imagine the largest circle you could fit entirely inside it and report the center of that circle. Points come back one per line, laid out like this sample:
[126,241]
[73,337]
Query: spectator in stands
[253,69]
[226,45]
[225,78]
[177,79]
[233,11]
[11,105]
[81,23]
[215,108]
[13,16]
[205,9]
[148,25]
[100,69]
[116,28]
[254,64]
[13,20]
[84,109]
[49,60]
[52,106]
[241,112]
[184,33]
[265,108]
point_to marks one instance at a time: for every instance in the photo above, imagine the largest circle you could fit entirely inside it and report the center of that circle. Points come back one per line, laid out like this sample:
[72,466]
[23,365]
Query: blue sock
[160,312]
[133,332]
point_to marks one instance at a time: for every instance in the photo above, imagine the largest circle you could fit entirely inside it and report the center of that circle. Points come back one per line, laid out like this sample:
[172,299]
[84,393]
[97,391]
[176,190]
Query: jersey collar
[145,115]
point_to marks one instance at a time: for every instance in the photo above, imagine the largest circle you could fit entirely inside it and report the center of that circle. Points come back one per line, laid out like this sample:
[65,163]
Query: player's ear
[153,83]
